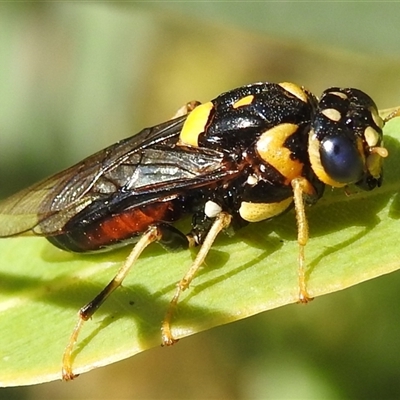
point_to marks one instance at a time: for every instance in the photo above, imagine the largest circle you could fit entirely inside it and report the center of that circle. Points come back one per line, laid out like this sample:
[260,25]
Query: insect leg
[163,233]
[387,115]
[186,109]
[301,186]
[221,222]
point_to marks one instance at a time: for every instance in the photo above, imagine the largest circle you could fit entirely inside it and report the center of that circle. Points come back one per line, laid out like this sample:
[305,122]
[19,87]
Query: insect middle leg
[163,233]
[221,222]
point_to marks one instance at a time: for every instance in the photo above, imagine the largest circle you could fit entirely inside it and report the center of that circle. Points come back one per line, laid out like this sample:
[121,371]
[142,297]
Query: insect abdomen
[114,230]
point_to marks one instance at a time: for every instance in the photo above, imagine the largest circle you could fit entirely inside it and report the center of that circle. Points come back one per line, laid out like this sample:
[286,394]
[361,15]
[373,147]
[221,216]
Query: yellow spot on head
[332,114]
[375,116]
[339,94]
[371,136]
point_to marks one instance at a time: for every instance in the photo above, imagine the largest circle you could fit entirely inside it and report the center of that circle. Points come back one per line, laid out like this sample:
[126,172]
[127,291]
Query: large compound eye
[341,159]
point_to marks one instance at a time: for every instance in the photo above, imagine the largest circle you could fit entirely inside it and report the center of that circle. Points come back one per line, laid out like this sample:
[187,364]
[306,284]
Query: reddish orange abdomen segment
[114,229]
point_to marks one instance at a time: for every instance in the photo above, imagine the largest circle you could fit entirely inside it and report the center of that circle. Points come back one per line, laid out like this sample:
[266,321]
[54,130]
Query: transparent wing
[69,191]
[138,170]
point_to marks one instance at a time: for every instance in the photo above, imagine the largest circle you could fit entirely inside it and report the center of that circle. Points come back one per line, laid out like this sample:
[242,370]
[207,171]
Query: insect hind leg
[167,236]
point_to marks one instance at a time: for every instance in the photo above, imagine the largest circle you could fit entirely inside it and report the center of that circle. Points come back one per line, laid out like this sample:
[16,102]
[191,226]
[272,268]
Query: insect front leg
[221,222]
[168,236]
[302,187]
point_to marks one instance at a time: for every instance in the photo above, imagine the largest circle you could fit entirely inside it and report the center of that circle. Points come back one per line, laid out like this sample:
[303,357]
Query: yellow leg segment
[153,234]
[221,222]
[301,186]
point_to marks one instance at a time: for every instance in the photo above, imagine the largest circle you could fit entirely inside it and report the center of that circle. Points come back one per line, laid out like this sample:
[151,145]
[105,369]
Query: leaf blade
[353,239]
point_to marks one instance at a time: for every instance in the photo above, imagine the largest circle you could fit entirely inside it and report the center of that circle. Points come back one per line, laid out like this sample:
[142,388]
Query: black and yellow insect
[246,156]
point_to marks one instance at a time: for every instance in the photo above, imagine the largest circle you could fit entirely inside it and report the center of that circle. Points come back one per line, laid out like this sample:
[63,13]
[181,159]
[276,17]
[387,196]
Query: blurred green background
[75,77]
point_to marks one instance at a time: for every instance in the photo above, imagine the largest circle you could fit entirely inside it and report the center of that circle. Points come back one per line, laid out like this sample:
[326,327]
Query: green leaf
[353,238]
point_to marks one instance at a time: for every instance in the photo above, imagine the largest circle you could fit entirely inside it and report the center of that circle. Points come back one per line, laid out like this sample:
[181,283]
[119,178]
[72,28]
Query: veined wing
[71,190]
[138,170]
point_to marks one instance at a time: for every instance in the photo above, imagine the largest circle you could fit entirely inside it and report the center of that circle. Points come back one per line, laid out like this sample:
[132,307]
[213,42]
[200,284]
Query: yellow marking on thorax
[271,149]
[244,101]
[195,124]
[295,90]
